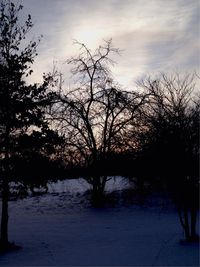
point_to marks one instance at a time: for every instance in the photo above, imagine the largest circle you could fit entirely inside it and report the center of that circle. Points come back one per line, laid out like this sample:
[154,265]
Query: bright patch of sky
[154,35]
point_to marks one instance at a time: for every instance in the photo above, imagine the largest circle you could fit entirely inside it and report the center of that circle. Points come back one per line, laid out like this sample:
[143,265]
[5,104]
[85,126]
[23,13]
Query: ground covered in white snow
[61,228]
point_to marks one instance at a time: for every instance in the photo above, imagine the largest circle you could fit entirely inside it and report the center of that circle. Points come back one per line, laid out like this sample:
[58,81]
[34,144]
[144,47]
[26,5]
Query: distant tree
[21,105]
[171,142]
[95,114]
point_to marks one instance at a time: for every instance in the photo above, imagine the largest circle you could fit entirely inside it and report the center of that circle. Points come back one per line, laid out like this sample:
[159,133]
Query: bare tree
[172,143]
[94,116]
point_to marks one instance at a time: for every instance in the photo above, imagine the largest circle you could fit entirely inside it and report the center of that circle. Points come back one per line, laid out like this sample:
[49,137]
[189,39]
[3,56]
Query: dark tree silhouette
[95,114]
[21,105]
[171,142]
[38,162]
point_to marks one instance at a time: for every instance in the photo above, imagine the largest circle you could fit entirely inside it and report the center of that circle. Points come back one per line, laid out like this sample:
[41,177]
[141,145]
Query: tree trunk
[5,194]
[193,223]
[187,228]
[4,215]
[98,192]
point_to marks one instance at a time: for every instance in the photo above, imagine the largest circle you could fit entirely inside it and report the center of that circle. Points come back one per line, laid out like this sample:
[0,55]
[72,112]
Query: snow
[62,229]
[80,185]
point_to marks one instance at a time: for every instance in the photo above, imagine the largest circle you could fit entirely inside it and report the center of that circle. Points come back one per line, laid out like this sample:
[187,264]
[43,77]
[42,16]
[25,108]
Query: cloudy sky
[154,35]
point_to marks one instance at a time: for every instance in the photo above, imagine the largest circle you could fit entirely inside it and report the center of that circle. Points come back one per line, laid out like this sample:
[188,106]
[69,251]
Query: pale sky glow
[154,35]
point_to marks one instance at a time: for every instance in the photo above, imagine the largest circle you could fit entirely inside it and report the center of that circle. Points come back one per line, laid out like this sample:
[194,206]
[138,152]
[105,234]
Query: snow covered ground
[62,229]
[80,185]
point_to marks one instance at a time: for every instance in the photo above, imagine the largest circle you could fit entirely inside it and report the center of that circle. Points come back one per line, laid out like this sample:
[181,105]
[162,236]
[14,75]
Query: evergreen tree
[21,105]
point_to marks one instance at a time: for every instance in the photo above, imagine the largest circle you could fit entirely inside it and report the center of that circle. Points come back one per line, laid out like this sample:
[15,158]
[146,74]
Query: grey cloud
[154,34]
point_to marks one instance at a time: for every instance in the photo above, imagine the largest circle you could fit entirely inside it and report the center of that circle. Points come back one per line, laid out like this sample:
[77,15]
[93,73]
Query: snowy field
[62,229]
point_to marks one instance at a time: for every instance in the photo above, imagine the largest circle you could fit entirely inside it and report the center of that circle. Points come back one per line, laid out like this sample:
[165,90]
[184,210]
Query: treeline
[96,128]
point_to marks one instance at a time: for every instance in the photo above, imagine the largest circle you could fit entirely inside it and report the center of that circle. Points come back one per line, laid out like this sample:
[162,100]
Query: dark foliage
[22,106]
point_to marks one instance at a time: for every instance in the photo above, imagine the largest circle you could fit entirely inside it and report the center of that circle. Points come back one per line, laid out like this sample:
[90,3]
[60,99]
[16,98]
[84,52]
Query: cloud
[153,34]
